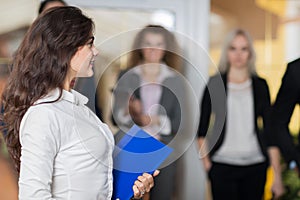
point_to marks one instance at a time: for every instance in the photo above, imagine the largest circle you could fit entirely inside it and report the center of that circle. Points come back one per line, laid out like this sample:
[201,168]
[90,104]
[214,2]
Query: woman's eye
[90,44]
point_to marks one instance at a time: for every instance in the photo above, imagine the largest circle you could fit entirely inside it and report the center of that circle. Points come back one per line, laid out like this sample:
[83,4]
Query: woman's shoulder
[129,75]
[259,80]
[293,69]
[169,73]
[133,71]
[40,112]
[294,65]
[174,79]
[217,79]
[39,117]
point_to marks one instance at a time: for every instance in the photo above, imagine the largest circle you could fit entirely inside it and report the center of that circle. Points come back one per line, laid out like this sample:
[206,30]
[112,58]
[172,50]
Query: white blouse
[66,151]
[240,145]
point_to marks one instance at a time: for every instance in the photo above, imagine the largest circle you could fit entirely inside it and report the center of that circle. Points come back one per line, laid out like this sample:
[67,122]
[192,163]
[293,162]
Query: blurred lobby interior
[199,25]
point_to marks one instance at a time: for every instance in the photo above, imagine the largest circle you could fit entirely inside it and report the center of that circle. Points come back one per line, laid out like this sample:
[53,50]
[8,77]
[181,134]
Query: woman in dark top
[149,94]
[240,145]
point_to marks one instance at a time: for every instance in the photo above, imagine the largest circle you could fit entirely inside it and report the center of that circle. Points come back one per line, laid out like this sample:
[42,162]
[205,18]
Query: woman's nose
[95,51]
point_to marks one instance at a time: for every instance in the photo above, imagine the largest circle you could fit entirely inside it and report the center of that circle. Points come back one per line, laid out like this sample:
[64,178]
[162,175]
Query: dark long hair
[172,54]
[40,65]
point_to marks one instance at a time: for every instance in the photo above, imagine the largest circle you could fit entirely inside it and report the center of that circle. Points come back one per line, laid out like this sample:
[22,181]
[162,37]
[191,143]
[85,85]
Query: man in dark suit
[287,98]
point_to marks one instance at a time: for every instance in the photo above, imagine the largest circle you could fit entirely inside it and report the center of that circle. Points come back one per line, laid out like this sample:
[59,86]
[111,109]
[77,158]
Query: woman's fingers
[156,173]
[143,184]
[138,189]
[136,192]
[147,181]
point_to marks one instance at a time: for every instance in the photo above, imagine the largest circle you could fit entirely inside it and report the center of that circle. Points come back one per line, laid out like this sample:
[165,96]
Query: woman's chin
[89,73]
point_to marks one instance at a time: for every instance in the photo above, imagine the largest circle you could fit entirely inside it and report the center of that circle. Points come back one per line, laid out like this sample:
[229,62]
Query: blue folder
[137,152]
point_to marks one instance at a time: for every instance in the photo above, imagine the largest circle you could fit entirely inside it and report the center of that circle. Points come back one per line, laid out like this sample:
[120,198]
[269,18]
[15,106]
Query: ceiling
[112,25]
[246,14]
[15,14]
[253,15]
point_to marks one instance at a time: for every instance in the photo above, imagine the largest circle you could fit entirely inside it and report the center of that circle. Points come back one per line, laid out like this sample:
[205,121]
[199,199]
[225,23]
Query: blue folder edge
[137,152]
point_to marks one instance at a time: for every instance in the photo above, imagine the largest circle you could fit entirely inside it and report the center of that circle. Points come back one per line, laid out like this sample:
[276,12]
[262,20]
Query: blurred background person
[287,98]
[47,4]
[238,152]
[145,95]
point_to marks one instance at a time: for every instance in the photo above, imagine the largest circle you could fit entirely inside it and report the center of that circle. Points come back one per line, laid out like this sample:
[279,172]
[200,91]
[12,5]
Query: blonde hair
[224,63]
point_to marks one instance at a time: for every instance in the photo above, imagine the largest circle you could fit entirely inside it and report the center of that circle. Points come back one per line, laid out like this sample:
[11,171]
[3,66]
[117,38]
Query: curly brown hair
[40,65]
[172,55]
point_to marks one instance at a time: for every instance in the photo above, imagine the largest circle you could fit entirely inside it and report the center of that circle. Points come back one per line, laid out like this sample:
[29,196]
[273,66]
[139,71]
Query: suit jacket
[169,101]
[287,98]
[214,103]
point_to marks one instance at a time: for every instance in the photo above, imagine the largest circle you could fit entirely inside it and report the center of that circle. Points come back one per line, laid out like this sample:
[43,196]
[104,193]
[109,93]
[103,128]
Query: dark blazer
[172,87]
[287,98]
[214,104]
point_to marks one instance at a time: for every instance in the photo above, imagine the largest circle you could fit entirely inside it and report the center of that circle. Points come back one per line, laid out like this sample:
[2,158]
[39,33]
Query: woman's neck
[69,81]
[67,86]
[150,72]
[238,75]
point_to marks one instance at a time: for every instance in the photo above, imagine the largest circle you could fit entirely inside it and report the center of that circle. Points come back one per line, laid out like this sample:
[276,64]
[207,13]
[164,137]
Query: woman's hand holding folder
[143,184]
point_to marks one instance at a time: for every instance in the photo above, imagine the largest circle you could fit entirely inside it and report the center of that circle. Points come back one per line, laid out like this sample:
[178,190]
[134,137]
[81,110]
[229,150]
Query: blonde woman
[240,147]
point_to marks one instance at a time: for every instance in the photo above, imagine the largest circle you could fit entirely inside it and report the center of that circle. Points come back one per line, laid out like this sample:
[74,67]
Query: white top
[66,151]
[240,145]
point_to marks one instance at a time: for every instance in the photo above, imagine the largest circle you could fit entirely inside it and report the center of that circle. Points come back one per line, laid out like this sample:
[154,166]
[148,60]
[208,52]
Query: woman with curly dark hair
[60,149]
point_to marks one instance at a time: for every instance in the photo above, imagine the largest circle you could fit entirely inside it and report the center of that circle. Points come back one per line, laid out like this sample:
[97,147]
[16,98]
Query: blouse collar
[71,96]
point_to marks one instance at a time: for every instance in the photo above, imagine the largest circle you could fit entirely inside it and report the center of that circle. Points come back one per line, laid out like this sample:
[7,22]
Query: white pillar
[193,20]
[292,31]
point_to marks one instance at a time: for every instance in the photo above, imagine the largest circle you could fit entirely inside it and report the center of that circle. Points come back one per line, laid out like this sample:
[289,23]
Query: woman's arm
[282,110]
[203,154]
[205,113]
[272,143]
[38,137]
[125,99]
[277,187]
